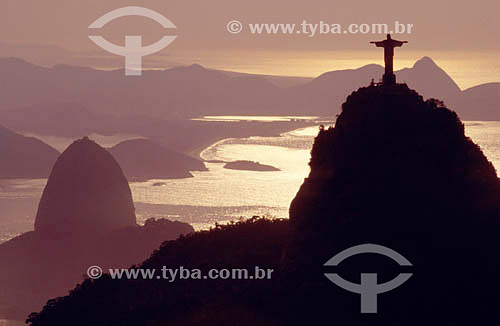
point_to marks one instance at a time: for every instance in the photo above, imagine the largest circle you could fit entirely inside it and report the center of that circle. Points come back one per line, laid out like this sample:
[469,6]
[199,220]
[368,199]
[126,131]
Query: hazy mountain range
[24,157]
[32,95]
[140,159]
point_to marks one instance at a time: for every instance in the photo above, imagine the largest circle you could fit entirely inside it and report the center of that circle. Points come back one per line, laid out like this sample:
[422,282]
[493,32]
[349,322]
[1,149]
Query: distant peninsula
[142,159]
[24,157]
[250,166]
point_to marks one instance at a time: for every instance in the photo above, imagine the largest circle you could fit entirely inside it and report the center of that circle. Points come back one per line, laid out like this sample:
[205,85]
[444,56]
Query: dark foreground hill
[24,157]
[396,171]
[86,217]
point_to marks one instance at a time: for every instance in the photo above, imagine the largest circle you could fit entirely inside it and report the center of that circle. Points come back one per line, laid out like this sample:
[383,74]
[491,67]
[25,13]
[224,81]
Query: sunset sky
[462,37]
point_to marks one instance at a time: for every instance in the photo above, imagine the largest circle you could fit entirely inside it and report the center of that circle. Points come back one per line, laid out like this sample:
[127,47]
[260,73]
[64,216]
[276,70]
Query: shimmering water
[4,322]
[217,195]
[234,118]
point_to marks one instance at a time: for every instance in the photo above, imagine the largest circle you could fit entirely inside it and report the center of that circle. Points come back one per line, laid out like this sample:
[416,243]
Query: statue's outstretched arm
[398,43]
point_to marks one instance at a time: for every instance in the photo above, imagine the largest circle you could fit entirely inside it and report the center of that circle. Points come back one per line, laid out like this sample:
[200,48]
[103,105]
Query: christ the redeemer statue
[389,44]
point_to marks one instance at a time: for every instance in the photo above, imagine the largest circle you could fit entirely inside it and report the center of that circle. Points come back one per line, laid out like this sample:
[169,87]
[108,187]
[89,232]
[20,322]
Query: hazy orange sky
[461,36]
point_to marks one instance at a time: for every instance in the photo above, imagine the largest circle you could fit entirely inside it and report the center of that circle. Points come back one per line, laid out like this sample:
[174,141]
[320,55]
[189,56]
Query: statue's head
[389,37]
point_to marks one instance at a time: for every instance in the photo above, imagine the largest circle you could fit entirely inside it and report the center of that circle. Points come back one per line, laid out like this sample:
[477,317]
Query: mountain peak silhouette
[24,157]
[85,217]
[393,137]
[425,61]
[398,171]
[86,191]
[432,81]
[196,66]
[142,159]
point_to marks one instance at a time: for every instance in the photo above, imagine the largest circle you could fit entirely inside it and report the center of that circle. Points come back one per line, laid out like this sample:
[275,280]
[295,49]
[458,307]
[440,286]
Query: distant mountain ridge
[24,157]
[191,91]
[68,117]
[142,159]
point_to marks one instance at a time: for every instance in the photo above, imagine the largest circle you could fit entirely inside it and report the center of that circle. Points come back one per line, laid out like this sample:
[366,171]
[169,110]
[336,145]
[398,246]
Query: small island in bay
[250,166]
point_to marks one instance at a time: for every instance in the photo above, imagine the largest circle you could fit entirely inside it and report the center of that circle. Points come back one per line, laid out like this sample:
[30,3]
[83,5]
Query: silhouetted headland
[398,171]
[24,157]
[86,217]
[142,159]
[86,189]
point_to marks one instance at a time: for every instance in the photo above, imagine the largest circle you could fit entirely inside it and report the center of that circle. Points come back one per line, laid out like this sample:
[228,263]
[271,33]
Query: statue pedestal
[389,79]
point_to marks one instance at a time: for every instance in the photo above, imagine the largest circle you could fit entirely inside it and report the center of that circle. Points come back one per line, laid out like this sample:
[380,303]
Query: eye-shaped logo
[368,287]
[133,51]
